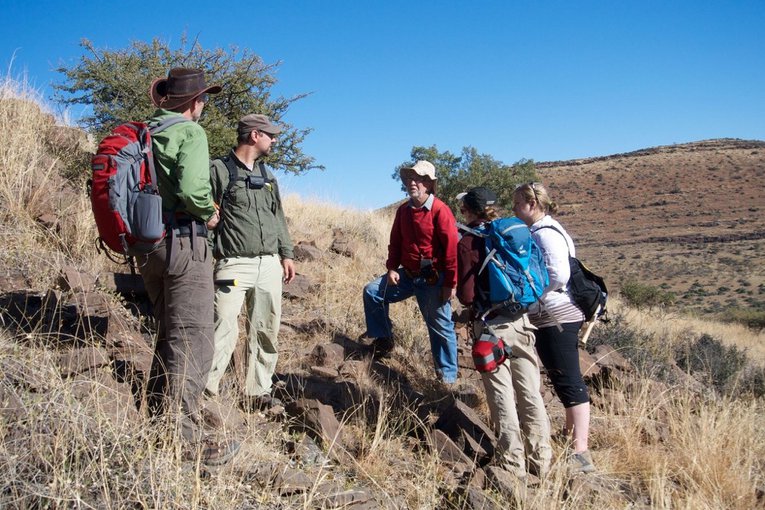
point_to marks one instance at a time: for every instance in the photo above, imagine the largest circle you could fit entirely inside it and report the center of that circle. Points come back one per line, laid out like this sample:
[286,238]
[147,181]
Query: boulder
[307,252]
[72,279]
[299,288]
[81,360]
[328,355]
[315,419]
[445,448]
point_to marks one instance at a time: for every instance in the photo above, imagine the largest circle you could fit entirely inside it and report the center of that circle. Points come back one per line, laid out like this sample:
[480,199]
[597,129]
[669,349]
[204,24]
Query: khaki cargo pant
[259,287]
[513,392]
[178,280]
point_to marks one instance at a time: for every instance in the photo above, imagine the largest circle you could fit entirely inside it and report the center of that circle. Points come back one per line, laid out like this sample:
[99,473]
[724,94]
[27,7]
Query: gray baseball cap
[257,122]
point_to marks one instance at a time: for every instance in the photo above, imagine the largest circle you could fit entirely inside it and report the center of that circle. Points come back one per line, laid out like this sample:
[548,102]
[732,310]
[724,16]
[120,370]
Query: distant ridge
[702,145]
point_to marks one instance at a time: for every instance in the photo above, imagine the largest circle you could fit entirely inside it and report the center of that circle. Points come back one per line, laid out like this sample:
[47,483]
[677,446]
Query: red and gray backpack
[123,189]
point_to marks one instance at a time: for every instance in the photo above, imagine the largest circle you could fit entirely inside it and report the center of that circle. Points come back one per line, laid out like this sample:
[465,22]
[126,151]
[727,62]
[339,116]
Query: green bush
[750,317]
[720,366]
[641,295]
[647,354]
[726,369]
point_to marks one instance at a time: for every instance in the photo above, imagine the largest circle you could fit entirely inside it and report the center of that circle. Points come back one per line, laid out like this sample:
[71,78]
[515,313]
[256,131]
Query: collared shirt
[252,221]
[426,232]
[182,162]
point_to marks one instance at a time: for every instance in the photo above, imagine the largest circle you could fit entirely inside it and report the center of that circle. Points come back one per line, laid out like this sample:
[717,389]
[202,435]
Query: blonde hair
[535,191]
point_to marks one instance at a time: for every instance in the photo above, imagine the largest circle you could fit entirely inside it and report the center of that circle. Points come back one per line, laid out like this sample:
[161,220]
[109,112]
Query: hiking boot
[211,418]
[213,453]
[382,347]
[261,403]
[580,463]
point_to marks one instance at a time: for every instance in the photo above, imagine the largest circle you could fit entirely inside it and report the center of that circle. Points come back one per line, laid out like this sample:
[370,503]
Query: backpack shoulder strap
[262,168]
[233,174]
[558,231]
[166,123]
[462,226]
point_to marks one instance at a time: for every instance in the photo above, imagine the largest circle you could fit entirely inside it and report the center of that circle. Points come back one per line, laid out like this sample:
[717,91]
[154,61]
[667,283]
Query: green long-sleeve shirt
[182,163]
[252,220]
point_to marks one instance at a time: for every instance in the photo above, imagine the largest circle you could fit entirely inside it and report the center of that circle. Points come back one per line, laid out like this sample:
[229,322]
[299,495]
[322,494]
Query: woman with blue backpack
[557,318]
[503,348]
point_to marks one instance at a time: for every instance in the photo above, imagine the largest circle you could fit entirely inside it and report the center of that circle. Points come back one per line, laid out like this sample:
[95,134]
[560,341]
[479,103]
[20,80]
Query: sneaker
[263,402]
[382,347]
[212,453]
[580,462]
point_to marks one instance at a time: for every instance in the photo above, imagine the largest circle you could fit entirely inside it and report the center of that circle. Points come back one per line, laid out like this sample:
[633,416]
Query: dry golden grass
[669,325]
[63,446]
[31,185]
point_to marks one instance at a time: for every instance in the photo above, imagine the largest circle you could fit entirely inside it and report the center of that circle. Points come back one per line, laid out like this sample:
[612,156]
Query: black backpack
[587,290]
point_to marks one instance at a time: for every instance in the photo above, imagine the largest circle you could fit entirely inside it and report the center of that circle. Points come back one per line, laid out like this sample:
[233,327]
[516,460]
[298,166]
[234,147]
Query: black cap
[476,199]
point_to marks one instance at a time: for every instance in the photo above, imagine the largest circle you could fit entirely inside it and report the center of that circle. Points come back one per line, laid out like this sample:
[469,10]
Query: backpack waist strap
[199,230]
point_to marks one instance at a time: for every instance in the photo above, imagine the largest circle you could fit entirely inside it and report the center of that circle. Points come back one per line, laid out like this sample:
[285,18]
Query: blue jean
[437,313]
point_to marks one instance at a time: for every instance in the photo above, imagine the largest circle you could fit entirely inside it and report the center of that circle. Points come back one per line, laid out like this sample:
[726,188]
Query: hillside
[677,402]
[686,217]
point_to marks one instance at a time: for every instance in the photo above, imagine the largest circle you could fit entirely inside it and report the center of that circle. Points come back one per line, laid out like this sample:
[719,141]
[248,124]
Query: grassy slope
[663,446]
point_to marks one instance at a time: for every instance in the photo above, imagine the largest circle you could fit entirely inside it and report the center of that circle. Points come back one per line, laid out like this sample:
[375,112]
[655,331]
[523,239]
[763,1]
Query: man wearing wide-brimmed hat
[253,247]
[178,273]
[422,262]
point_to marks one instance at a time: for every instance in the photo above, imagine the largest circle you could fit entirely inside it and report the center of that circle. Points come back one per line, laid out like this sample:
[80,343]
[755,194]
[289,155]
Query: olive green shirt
[252,220]
[182,161]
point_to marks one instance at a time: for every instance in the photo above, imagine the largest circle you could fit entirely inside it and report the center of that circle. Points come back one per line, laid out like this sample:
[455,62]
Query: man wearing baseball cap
[253,247]
[178,273]
[422,262]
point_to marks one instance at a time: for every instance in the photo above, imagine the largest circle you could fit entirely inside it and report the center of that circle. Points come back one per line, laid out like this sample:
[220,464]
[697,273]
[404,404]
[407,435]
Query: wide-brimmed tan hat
[181,86]
[422,168]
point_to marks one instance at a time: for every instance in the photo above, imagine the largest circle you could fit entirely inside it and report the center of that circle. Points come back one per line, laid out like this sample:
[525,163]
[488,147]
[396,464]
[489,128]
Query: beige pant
[259,286]
[515,400]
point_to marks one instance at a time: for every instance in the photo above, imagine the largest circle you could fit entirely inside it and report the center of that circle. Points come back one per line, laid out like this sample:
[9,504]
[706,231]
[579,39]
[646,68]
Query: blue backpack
[517,272]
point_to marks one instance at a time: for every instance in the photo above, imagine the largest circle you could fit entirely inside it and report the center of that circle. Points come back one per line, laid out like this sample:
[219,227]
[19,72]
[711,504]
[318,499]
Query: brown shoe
[261,403]
[382,347]
[211,419]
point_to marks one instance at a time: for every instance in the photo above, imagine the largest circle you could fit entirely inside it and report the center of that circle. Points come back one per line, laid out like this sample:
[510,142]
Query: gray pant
[178,279]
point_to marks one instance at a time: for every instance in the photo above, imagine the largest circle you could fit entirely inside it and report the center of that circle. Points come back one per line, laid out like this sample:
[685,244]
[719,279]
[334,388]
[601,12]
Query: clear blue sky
[542,80]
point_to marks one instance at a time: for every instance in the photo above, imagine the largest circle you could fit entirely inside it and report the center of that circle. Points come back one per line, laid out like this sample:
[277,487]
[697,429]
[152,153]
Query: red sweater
[422,233]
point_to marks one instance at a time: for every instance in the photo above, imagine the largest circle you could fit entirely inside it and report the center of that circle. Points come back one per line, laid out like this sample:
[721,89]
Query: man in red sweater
[422,262]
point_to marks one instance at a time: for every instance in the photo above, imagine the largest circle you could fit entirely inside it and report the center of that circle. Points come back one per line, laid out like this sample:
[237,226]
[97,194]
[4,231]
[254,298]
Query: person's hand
[213,221]
[288,266]
[447,294]
[393,277]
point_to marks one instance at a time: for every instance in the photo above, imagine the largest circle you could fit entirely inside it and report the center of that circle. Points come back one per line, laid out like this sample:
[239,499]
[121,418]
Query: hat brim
[411,171]
[161,100]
